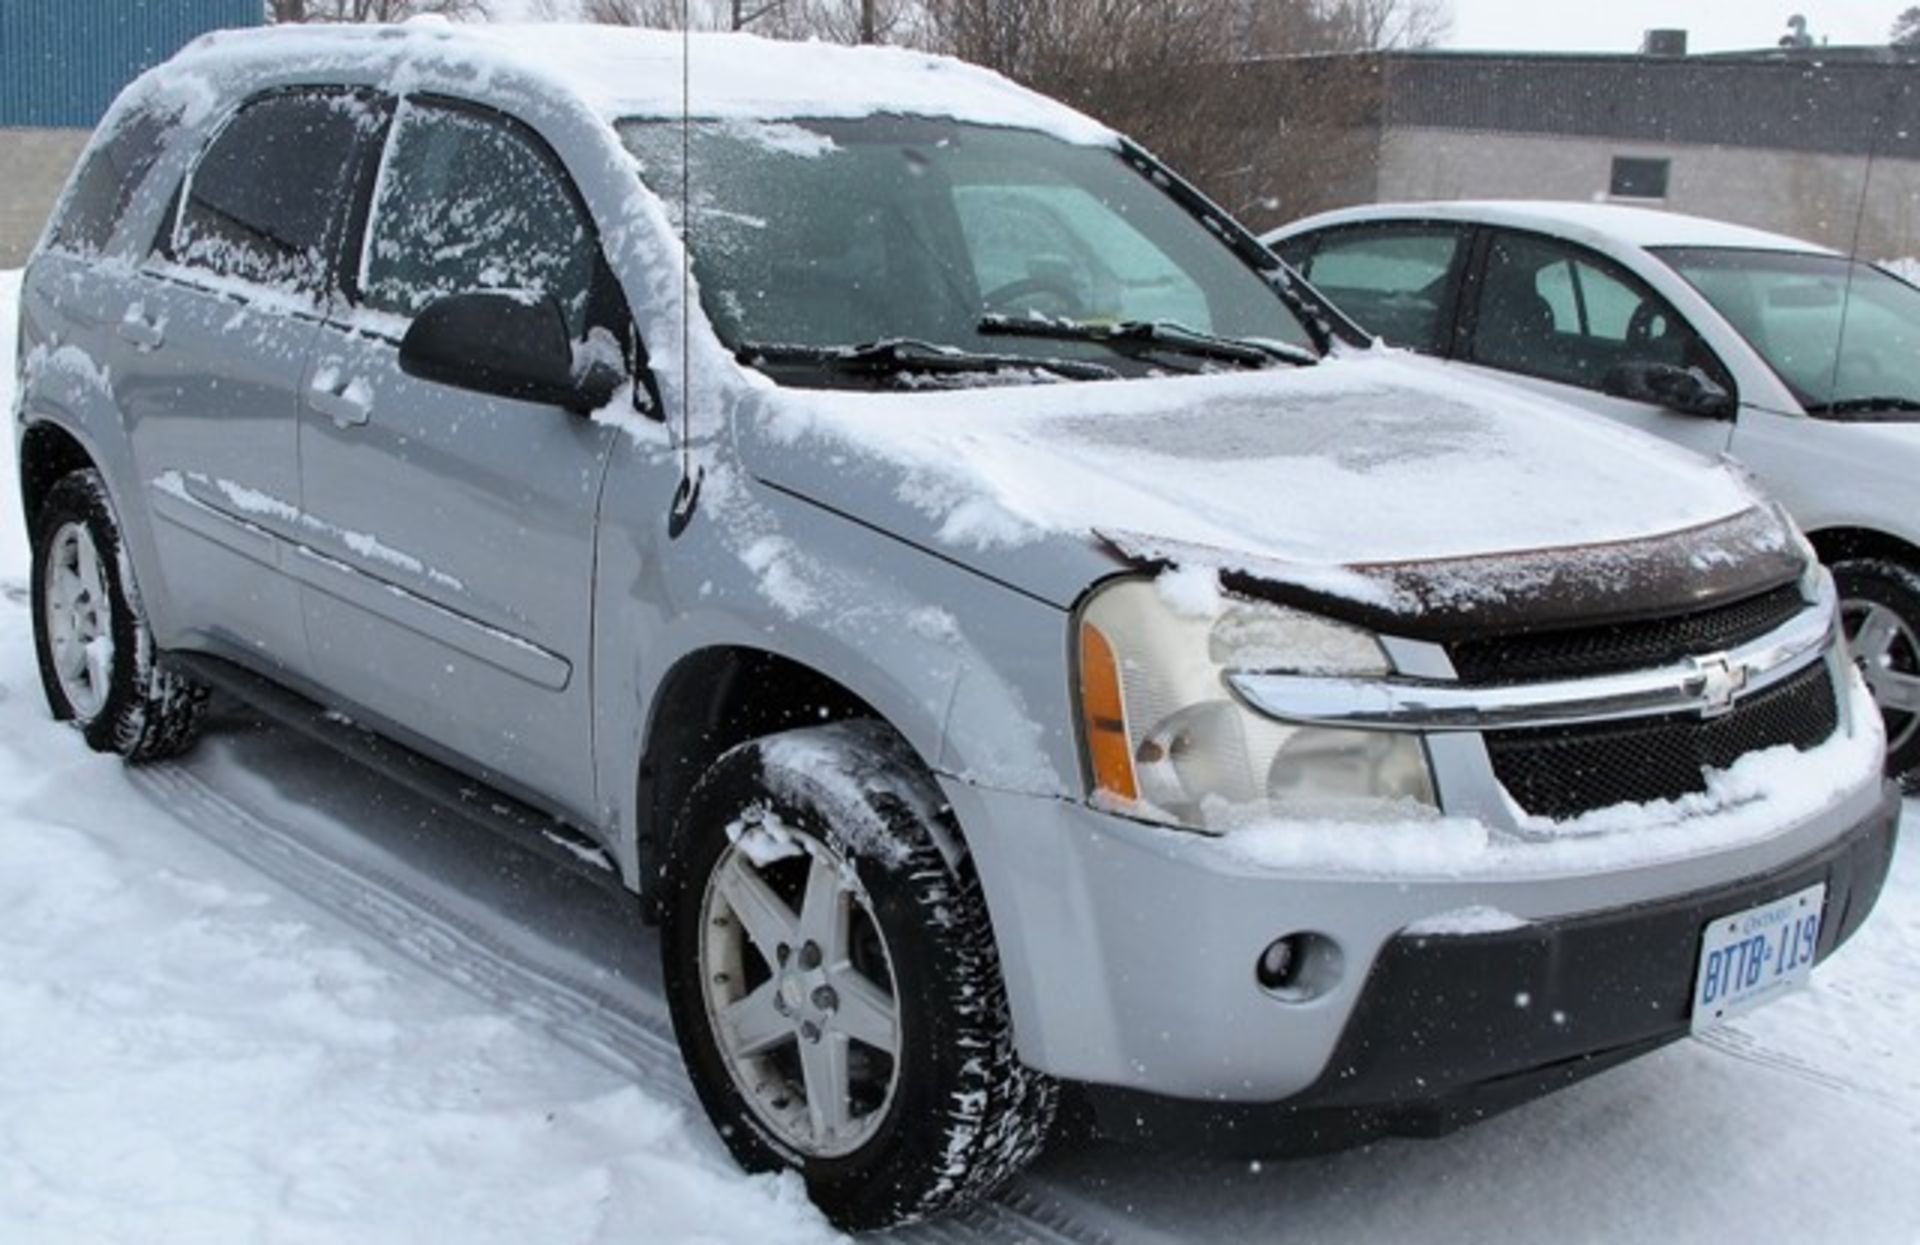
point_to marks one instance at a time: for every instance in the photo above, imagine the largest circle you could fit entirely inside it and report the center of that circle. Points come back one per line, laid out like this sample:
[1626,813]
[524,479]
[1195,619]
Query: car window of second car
[473,201]
[1554,310]
[1392,279]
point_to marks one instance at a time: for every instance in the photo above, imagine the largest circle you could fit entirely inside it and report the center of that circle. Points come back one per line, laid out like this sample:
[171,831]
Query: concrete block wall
[1801,194]
[33,167]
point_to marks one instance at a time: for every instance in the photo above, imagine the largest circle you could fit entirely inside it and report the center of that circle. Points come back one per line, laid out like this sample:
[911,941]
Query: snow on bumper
[1130,949]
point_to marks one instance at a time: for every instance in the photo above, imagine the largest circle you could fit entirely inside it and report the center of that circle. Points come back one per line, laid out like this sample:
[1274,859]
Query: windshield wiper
[1135,337]
[1887,405]
[895,356]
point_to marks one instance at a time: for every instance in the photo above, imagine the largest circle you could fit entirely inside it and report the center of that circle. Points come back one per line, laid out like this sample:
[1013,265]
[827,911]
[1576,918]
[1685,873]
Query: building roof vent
[1664,43]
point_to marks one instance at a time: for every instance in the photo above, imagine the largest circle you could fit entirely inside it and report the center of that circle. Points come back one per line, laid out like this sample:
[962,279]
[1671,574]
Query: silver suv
[1013,639]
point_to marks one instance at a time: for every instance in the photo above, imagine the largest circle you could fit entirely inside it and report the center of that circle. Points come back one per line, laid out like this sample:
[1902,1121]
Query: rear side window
[474,201]
[112,171]
[266,203]
[1394,280]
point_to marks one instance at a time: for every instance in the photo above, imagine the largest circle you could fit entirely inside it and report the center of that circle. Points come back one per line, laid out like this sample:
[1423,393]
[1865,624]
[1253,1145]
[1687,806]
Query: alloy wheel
[1888,654]
[800,990]
[79,615]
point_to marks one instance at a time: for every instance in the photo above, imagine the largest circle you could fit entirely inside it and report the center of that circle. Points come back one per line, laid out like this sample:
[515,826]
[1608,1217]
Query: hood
[1376,479]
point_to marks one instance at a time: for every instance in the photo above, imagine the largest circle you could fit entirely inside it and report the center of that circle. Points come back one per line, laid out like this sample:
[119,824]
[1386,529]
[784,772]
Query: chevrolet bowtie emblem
[1721,683]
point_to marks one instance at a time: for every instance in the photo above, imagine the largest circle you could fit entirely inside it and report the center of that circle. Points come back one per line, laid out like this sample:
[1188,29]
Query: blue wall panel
[63,61]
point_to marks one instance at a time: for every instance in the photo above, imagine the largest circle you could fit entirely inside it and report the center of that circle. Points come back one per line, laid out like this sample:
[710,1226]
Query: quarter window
[471,201]
[1393,281]
[1557,311]
[112,171]
[266,202]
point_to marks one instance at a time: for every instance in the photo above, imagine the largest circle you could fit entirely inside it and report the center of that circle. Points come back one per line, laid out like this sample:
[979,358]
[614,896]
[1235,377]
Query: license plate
[1752,957]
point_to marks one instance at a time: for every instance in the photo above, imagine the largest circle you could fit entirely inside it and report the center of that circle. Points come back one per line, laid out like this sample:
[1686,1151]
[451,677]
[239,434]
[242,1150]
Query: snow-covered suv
[1008,634]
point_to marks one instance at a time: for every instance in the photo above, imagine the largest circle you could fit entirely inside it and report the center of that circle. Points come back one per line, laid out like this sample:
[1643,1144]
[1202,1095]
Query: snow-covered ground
[264,996]
[1908,268]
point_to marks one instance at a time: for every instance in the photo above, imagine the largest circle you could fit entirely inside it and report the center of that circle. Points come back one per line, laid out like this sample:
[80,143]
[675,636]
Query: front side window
[1557,311]
[822,234]
[113,170]
[1843,335]
[1392,279]
[473,201]
[266,202]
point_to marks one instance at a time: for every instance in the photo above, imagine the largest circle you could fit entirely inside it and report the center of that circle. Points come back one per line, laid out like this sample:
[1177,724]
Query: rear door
[212,338]
[1558,318]
[450,535]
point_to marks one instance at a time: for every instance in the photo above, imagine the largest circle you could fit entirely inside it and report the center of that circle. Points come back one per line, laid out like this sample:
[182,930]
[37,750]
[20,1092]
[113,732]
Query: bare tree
[673,14]
[841,21]
[1906,29]
[1271,106]
[371,10]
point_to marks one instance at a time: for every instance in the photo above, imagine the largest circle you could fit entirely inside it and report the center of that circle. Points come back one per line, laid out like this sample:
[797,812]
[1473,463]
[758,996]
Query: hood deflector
[1526,590]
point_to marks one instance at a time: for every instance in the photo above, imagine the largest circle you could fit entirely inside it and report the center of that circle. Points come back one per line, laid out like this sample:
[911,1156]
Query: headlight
[1166,739]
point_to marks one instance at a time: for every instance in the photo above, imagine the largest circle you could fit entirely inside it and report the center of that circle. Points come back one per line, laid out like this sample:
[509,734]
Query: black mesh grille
[1564,772]
[1624,646]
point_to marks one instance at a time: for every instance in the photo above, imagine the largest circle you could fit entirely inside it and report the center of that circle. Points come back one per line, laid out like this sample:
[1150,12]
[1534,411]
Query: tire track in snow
[1744,1047]
[585,1018]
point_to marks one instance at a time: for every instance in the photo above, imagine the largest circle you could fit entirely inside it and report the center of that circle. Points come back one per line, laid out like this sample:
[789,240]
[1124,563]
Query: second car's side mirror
[509,344]
[1685,389]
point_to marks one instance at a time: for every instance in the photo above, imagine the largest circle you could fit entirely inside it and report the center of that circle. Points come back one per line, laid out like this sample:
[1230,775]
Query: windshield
[838,233]
[1844,335]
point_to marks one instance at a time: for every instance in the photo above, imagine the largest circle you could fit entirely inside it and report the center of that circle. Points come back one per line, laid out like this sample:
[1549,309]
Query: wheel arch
[1836,543]
[48,451]
[716,697]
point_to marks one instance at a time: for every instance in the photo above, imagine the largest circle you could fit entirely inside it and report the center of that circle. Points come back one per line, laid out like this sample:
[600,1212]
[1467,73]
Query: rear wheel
[1880,610]
[834,984]
[95,649]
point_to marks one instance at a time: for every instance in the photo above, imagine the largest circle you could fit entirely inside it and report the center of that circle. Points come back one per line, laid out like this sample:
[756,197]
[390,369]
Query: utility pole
[866,21]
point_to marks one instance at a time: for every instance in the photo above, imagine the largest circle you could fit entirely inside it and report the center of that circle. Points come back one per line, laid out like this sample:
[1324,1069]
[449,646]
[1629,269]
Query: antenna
[1859,227]
[686,496]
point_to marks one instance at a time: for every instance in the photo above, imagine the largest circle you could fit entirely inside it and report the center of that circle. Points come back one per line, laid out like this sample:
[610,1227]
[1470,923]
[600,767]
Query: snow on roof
[1586,222]
[627,72]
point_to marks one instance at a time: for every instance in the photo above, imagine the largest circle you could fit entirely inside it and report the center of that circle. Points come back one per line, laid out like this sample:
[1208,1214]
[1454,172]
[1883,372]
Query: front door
[449,576]
[1558,318]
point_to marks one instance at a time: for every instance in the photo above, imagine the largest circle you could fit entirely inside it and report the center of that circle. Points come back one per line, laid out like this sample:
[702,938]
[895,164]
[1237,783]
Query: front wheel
[1880,610]
[834,984]
[91,636]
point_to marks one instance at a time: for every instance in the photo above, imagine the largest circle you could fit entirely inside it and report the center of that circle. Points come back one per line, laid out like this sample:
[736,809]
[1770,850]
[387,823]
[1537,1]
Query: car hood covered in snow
[1374,483]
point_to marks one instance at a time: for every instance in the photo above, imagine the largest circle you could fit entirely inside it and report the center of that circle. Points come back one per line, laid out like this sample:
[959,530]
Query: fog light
[1299,967]
[1279,965]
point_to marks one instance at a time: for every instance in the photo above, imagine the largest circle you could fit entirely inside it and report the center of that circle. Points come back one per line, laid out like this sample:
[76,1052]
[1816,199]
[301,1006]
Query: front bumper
[1450,1030]
[1129,955]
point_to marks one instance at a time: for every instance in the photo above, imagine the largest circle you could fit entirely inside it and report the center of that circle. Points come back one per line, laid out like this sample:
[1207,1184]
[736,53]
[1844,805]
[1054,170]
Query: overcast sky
[1617,25]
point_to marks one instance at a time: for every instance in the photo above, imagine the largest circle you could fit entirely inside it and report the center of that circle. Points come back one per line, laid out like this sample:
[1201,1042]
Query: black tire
[147,713]
[964,1114]
[1864,585]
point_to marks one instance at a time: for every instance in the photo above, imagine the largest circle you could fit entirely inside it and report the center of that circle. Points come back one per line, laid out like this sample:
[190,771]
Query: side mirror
[509,344]
[1685,389]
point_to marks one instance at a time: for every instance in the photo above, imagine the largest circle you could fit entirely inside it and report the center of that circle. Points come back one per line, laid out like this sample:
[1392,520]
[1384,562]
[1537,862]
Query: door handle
[145,334]
[348,406]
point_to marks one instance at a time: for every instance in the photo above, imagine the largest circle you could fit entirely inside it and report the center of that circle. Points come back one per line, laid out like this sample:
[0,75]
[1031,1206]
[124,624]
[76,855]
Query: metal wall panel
[63,61]
[1834,107]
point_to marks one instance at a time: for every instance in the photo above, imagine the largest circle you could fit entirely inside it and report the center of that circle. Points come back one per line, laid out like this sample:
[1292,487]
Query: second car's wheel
[833,980]
[96,652]
[1880,609]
